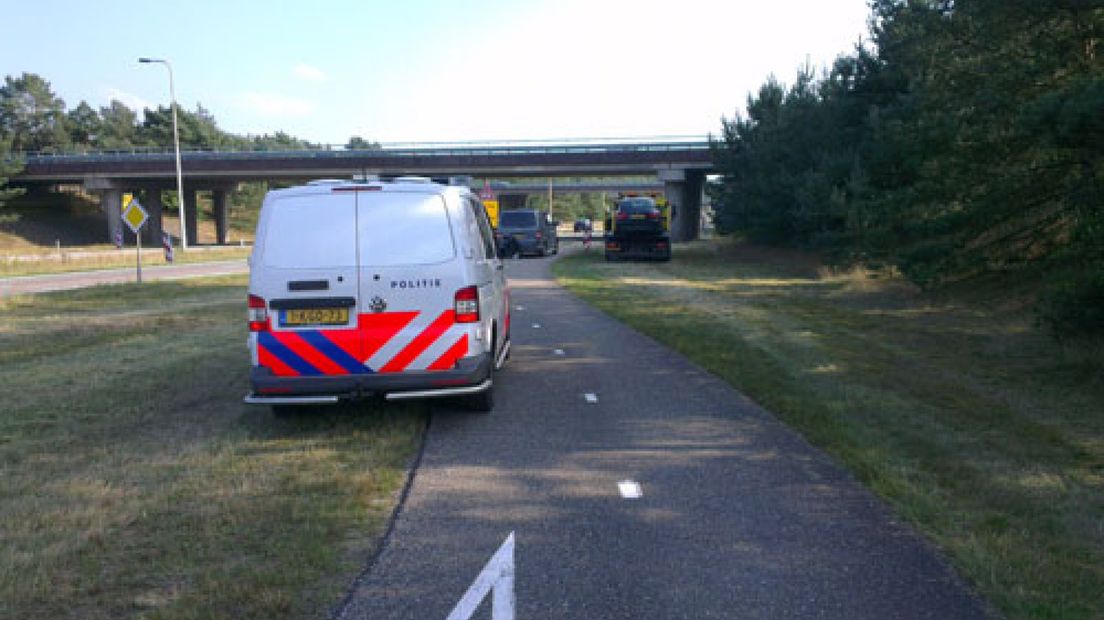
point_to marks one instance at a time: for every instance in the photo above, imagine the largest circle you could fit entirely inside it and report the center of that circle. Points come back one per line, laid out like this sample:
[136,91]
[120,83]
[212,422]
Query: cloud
[132,101]
[307,72]
[273,105]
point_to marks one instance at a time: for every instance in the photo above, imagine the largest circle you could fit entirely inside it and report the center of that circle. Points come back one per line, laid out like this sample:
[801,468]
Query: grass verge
[977,428]
[41,262]
[134,483]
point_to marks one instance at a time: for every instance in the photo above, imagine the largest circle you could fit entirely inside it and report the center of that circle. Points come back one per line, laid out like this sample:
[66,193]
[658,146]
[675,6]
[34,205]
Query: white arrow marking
[496,576]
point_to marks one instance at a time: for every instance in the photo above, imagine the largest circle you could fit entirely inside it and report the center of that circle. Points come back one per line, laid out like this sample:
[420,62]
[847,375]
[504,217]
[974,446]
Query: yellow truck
[490,203]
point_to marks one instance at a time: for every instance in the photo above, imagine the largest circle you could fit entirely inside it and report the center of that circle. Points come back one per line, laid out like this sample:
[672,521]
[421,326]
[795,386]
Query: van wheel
[482,402]
[288,411]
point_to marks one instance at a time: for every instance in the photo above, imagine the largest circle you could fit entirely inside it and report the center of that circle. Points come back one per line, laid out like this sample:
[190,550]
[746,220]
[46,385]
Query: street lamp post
[176,145]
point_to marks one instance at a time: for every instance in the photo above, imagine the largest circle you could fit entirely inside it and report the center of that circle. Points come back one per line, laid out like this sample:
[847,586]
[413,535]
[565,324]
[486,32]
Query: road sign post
[135,217]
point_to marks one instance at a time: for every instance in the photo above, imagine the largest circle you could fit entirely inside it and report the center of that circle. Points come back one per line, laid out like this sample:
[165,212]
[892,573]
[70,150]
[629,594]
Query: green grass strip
[135,483]
[974,426]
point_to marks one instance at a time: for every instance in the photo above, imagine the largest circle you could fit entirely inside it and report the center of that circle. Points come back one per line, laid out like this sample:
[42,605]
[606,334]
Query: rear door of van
[409,279]
[308,274]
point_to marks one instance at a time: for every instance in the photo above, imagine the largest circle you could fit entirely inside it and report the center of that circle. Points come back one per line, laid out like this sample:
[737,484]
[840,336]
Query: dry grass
[135,484]
[106,257]
[974,425]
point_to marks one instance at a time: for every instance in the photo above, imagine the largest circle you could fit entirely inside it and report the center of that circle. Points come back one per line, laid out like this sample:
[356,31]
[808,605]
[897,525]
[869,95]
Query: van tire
[483,402]
[285,412]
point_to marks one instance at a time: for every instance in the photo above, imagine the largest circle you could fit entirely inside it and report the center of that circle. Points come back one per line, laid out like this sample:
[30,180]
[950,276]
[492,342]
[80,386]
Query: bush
[1074,306]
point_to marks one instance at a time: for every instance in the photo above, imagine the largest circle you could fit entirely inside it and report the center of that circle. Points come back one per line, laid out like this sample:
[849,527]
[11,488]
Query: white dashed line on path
[591,398]
[536,325]
[630,489]
[558,352]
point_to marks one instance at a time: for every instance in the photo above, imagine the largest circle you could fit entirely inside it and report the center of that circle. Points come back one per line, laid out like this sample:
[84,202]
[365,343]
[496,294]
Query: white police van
[361,289]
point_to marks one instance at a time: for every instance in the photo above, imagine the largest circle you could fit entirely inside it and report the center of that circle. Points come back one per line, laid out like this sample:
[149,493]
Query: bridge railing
[398,149]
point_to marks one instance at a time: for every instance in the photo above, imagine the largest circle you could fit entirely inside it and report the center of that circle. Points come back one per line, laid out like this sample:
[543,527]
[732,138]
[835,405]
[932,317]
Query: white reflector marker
[630,489]
[591,398]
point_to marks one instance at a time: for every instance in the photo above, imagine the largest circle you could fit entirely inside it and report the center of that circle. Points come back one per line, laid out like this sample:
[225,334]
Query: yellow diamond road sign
[135,216]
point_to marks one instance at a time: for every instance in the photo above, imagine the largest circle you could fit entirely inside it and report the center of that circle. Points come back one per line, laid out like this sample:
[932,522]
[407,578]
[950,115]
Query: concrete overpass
[679,165]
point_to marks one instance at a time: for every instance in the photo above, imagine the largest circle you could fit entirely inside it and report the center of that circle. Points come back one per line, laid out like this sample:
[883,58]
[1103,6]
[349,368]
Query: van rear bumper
[471,375]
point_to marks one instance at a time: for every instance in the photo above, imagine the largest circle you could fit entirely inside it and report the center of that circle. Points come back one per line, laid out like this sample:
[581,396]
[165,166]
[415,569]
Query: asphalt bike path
[736,515]
[28,285]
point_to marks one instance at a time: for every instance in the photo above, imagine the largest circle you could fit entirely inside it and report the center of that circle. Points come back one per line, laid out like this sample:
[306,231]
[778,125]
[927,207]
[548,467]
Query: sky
[431,70]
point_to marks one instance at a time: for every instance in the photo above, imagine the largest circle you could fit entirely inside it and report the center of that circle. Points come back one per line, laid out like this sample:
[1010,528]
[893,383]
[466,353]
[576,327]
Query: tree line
[34,119]
[964,139]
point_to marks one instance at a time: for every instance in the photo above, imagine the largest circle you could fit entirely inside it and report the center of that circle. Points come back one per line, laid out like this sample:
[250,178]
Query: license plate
[638,217]
[315,316]
[520,236]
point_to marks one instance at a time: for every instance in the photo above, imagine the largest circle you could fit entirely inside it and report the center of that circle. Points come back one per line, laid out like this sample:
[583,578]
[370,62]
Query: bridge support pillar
[218,198]
[111,201]
[684,193]
[191,215]
[153,206]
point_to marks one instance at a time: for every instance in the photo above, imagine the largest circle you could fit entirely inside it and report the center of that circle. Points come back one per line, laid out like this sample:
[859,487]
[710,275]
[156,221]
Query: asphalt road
[739,517]
[27,285]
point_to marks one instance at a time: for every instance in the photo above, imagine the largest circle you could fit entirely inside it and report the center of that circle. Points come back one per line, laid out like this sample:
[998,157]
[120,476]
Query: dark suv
[526,231]
[639,216]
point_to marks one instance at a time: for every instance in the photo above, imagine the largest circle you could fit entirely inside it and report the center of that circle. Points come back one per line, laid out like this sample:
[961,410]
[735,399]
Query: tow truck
[638,226]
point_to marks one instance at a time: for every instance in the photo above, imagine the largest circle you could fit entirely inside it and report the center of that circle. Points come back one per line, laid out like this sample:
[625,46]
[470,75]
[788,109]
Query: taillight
[258,314]
[467,305]
[540,235]
[652,215]
[622,216]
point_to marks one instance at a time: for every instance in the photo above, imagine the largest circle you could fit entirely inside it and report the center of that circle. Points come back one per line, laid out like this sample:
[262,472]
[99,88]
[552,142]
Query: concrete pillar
[152,203]
[218,198]
[683,191]
[191,215]
[111,201]
[692,205]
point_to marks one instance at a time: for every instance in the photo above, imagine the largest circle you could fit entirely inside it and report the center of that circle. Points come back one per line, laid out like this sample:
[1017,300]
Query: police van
[361,289]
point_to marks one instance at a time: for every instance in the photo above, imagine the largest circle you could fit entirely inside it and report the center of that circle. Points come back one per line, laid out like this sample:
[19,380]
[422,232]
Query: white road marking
[536,325]
[630,489]
[591,398]
[521,308]
[496,576]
